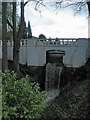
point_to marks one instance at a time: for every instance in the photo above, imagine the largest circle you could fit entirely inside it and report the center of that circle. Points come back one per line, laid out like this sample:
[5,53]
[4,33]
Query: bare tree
[16,34]
[77,5]
[0,20]
[4,35]
[15,58]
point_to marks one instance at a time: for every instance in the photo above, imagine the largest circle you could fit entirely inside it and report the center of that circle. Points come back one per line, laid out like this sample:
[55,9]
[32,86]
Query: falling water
[52,83]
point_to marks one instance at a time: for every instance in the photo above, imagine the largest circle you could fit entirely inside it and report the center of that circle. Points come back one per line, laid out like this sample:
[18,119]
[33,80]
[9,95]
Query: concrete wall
[10,50]
[33,51]
[88,54]
[23,51]
[75,52]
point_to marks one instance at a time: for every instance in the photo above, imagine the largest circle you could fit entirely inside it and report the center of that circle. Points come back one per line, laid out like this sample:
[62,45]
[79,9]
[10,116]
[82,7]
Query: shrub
[21,99]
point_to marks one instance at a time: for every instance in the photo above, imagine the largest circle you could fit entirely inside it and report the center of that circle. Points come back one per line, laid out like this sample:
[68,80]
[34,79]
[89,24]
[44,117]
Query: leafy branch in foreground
[20,98]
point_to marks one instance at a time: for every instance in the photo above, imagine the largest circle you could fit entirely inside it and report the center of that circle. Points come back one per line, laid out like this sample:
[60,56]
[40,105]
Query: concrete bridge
[33,51]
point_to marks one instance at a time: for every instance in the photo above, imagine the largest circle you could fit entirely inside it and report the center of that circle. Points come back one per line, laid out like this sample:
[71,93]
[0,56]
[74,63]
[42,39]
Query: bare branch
[77,5]
[9,23]
[38,3]
[26,2]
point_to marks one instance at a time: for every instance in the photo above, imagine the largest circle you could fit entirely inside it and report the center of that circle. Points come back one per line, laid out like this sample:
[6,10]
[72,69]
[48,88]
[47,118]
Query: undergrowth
[71,104]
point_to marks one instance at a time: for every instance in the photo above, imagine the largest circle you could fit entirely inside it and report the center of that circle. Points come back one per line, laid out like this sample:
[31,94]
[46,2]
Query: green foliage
[10,35]
[21,99]
[42,36]
[9,14]
[27,33]
[29,30]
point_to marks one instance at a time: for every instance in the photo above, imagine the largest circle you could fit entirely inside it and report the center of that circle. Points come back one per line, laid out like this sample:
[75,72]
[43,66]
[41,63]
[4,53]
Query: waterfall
[53,74]
[52,82]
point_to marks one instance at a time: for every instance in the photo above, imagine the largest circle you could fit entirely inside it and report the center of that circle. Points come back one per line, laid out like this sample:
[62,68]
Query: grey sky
[62,24]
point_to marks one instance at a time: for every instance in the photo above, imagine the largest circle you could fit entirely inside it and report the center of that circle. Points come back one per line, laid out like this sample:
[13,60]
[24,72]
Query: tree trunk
[4,35]
[88,4]
[17,36]
[21,27]
[15,42]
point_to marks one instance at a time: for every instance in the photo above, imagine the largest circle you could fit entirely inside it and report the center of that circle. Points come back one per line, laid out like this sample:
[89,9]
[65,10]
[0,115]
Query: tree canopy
[42,36]
[27,33]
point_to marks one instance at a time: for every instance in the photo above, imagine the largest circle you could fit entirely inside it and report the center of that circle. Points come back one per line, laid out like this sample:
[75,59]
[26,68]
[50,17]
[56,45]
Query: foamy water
[51,94]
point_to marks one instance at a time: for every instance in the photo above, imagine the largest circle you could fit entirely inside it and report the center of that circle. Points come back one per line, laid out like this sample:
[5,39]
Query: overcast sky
[63,24]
